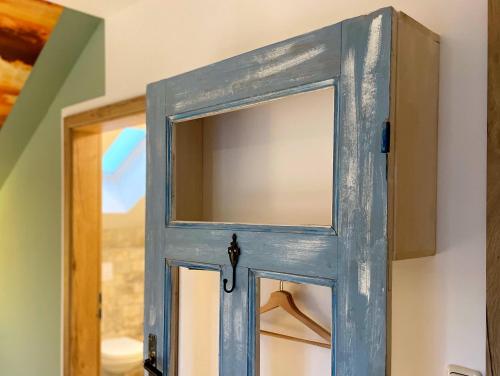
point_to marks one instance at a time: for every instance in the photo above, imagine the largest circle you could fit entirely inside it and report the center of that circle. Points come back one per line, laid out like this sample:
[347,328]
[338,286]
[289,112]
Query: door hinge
[386,138]
[99,306]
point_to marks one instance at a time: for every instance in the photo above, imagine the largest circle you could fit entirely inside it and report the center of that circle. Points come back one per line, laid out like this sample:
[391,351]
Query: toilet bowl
[121,355]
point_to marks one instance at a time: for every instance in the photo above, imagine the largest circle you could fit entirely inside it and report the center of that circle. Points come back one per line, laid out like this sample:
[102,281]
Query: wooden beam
[493,192]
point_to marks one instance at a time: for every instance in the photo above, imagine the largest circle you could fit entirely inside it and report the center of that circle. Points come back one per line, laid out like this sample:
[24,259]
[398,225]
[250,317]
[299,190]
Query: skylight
[124,171]
[121,149]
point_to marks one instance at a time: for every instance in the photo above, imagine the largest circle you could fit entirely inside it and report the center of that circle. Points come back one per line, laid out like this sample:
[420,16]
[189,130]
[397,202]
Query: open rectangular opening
[199,307]
[294,321]
[271,163]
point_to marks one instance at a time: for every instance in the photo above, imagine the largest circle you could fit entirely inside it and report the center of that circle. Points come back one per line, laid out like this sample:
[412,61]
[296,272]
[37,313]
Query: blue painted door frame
[354,56]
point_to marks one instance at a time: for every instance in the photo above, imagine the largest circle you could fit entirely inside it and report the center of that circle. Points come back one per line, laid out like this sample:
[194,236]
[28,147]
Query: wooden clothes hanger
[284,300]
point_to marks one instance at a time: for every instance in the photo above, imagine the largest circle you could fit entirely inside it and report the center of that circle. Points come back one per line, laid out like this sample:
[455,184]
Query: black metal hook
[234,252]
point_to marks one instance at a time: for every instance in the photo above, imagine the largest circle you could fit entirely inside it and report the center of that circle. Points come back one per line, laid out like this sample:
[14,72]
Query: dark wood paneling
[493,195]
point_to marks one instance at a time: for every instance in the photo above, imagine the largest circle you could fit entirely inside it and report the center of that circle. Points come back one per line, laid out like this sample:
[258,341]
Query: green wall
[30,207]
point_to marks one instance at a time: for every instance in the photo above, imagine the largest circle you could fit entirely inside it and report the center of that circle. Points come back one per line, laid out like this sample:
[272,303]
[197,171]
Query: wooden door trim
[89,123]
[493,193]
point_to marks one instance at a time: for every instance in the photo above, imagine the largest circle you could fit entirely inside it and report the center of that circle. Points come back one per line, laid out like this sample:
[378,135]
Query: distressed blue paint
[194,265]
[210,226]
[234,325]
[355,56]
[245,102]
[253,349]
[167,341]
[294,278]
[157,293]
[231,106]
[362,283]
[306,59]
[306,254]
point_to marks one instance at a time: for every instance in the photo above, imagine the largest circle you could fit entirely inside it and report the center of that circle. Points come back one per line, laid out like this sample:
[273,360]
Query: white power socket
[454,370]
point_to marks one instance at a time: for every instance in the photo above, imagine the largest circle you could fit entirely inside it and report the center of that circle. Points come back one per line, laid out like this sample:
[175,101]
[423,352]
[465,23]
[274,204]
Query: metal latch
[150,362]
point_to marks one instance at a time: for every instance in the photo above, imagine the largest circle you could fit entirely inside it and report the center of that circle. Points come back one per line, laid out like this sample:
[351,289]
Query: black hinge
[99,308]
[386,138]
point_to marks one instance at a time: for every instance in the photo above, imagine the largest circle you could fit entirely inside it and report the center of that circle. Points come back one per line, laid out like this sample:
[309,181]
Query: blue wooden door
[350,255]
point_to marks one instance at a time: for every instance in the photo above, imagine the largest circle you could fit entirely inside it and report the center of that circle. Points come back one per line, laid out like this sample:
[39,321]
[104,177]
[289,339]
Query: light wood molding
[493,193]
[85,260]
[117,115]
[412,160]
[412,173]
[82,229]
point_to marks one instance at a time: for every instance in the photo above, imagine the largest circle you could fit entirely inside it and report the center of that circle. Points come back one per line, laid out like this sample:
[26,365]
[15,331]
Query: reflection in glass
[198,322]
[267,164]
[295,323]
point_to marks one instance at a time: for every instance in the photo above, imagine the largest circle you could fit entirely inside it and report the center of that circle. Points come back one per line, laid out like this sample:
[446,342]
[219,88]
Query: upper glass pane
[271,163]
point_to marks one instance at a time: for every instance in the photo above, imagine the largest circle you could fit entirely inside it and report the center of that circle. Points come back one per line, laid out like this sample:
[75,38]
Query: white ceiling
[100,8]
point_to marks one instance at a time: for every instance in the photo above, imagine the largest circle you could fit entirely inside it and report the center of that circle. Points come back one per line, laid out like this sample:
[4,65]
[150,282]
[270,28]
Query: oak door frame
[82,228]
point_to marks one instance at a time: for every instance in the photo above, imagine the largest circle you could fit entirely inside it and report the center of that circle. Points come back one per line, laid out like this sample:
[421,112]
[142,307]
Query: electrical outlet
[454,370]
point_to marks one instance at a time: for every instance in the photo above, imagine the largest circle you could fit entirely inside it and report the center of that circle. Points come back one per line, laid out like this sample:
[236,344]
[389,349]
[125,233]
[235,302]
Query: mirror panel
[271,163]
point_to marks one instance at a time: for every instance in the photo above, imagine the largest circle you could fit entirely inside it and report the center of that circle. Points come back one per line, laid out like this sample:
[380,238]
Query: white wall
[279,357]
[439,302]
[257,162]
[199,297]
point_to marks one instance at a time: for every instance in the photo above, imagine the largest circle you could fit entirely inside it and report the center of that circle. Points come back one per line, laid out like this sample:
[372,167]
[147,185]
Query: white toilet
[121,356]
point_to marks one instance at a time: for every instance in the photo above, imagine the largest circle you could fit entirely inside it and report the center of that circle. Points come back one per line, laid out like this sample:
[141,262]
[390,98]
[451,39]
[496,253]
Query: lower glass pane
[198,322]
[295,329]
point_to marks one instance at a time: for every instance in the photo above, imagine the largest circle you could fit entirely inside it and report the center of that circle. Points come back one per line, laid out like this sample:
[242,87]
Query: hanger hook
[234,252]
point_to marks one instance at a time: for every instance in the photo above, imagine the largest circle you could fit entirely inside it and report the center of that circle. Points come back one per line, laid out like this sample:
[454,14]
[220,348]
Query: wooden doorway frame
[82,229]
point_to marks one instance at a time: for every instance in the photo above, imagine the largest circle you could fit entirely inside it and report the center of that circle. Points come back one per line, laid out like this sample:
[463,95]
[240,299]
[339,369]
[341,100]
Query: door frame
[81,183]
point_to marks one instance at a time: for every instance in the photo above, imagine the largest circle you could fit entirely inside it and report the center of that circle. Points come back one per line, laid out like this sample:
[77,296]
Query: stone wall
[122,283]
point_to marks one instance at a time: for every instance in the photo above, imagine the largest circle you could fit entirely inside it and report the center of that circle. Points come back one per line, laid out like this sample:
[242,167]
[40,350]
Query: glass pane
[198,322]
[271,163]
[295,323]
